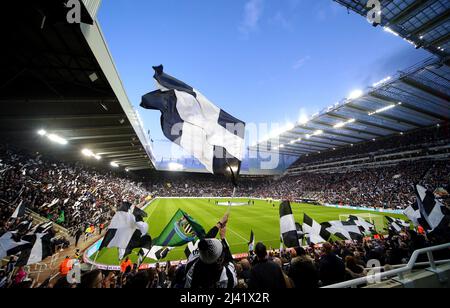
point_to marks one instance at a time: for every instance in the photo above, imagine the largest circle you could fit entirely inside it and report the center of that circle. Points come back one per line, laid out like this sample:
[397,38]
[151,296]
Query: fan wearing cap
[214,266]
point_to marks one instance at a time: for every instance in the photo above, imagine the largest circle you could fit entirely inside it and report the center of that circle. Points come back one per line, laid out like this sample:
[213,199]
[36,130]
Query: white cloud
[253,11]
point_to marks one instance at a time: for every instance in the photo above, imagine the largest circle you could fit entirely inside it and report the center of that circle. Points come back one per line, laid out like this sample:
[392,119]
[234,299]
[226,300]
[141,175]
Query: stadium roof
[60,79]
[416,98]
[424,23]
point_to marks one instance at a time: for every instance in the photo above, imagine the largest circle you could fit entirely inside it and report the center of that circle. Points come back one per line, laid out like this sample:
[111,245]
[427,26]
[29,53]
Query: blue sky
[261,60]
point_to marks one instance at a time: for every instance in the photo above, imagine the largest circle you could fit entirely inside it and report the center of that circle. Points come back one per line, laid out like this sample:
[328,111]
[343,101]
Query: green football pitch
[262,218]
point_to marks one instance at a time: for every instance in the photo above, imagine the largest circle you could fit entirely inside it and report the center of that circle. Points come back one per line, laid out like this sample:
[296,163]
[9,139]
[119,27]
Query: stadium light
[355,94]
[42,132]
[175,167]
[384,109]
[343,124]
[114,164]
[318,132]
[89,153]
[303,120]
[379,83]
[57,139]
[389,30]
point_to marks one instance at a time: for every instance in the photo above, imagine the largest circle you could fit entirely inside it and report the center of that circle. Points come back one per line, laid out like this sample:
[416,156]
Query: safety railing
[378,277]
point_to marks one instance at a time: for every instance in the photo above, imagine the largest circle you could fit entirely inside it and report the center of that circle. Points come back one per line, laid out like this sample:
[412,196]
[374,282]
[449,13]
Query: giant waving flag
[181,230]
[190,120]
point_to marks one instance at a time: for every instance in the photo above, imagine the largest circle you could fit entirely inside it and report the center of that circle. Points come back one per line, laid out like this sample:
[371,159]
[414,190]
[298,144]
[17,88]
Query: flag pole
[234,182]
[148,252]
[95,259]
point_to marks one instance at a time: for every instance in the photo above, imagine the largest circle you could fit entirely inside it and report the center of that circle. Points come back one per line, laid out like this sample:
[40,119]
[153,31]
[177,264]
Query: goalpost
[377,220]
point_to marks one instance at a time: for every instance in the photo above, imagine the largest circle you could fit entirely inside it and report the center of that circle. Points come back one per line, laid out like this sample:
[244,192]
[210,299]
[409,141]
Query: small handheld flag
[288,228]
[251,243]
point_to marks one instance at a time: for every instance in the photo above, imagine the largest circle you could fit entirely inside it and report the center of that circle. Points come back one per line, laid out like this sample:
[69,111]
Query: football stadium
[117,172]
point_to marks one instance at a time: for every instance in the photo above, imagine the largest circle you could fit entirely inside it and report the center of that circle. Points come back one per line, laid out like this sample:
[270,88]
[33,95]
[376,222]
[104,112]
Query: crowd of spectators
[76,196]
[423,139]
[266,269]
[385,187]
[72,195]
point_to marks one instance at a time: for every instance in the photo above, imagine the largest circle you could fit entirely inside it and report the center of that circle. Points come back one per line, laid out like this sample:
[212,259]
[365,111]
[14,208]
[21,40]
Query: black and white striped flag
[413,214]
[315,232]
[345,230]
[126,231]
[190,120]
[288,228]
[156,252]
[11,244]
[397,225]
[41,247]
[432,211]
[365,226]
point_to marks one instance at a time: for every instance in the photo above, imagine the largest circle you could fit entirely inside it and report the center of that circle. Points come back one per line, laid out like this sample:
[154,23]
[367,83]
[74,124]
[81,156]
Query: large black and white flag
[396,225]
[190,120]
[140,238]
[125,232]
[11,244]
[315,232]
[345,230]
[365,226]
[432,211]
[288,228]
[413,214]
[41,248]
[20,210]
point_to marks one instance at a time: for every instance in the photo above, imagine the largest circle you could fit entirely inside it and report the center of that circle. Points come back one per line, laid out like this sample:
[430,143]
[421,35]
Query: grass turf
[262,218]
